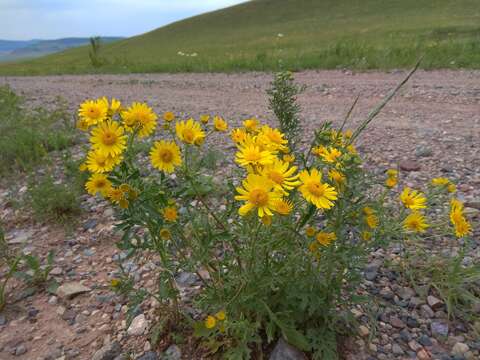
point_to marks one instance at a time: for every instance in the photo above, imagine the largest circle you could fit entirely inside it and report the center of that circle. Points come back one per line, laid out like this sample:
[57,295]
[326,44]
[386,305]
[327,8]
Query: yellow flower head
[366,235]
[451,188]
[219,124]
[325,238]
[413,199]
[251,124]
[310,231]
[93,112]
[168,116]
[99,163]
[392,173]
[254,156]
[165,234]
[221,315]
[190,132]
[372,221]
[283,207]
[336,176]
[368,210]
[415,222]
[165,156]
[267,220]
[204,118]
[98,183]
[330,155]
[238,135]
[82,124]
[457,218]
[210,322]
[440,181]
[283,177]
[316,192]
[290,158]
[257,192]
[313,247]
[113,107]
[115,194]
[391,182]
[462,228]
[108,139]
[140,117]
[273,139]
[170,213]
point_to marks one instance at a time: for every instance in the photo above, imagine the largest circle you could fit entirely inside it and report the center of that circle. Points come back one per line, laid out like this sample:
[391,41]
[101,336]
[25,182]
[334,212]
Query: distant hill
[15,50]
[296,34]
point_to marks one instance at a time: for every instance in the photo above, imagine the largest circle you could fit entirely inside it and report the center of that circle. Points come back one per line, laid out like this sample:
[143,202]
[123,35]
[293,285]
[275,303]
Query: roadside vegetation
[290,34]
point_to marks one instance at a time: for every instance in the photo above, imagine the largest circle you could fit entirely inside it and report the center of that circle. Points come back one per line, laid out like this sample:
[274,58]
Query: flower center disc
[166,156]
[109,138]
[259,197]
[188,135]
[252,156]
[315,188]
[276,177]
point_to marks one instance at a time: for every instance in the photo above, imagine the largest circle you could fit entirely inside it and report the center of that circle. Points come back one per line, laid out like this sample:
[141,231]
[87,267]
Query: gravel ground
[433,125]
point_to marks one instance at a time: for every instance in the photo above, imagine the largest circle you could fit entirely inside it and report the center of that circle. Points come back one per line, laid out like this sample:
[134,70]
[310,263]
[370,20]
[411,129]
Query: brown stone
[409,165]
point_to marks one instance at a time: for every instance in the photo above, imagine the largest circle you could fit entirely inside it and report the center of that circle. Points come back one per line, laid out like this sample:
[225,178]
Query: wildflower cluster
[277,243]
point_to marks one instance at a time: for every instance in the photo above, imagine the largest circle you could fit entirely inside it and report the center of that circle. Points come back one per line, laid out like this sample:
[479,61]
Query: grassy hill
[298,34]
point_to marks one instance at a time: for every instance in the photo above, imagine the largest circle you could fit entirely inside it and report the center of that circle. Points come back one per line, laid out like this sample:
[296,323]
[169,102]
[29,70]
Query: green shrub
[28,135]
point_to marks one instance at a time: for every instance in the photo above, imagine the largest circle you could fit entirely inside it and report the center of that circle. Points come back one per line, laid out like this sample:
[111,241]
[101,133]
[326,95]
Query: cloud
[27,19]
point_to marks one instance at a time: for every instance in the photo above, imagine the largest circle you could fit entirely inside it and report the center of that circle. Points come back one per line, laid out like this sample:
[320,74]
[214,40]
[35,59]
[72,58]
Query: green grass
[360,34]
[28,135]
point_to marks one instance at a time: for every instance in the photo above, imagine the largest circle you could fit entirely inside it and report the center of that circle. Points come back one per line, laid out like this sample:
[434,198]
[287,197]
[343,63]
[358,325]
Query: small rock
[108,352]
[423,151]
[20,350]
[439,329]
[427,311]
[21,237]
[460,348]
[172,353]
[396,322]
[423,355]
[185,279]
[3,320]
[285,351]
[409,165]
[150,355]
[53,300]
[434,303]
[397,350]
[363,330]
[415,346]
[138,326]
[56,271]
[425,340]
[70,290]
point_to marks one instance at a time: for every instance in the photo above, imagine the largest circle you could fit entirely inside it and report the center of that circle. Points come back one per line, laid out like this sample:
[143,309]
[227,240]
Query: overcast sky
[52,19]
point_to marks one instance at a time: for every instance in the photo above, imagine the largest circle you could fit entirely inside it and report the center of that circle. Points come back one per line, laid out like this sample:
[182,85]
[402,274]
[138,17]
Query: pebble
[363,331]
[70,290]
[460,348]
[409,165]
[173,352]
[397,350]
[285,351]
[434,303]
[150,355]
[20,350]
[138,326]
[439,329]
[108,352]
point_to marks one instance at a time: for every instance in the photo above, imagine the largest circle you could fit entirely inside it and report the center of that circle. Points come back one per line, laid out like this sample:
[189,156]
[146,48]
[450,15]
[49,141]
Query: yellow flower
[336,176]
[330,155]
[310,231]
[99,163]
[313,247]
[168,116]
[125,187]
[368,210]
[290,158]
[457,218]
[366,235]
[165,234]
[221,315]
[372,221]
[93,112]
[413,199]
[257,192]
[113,107]
[392,173]
[325,238]
[115,194]
[440,181]
[114,282]
[253,155]
[204,118]
[98,183]
[316,192]
[451,188]
[108,139]
[123,203]
[281,175]
[267,220]
[140,117]
[190,132]
[283,207]
[165,155]
[272,139]
[170,213]
[238,135]
[251,124]
[82,124]
[83,167]
[219,124]
[462,228]
[210,322]
[415,222]
[391,182]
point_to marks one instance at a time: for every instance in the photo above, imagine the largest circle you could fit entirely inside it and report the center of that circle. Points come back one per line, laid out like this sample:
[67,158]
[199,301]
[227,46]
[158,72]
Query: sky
[52,19]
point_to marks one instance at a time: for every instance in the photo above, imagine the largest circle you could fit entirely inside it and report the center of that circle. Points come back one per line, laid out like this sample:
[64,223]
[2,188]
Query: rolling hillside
[298,34]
